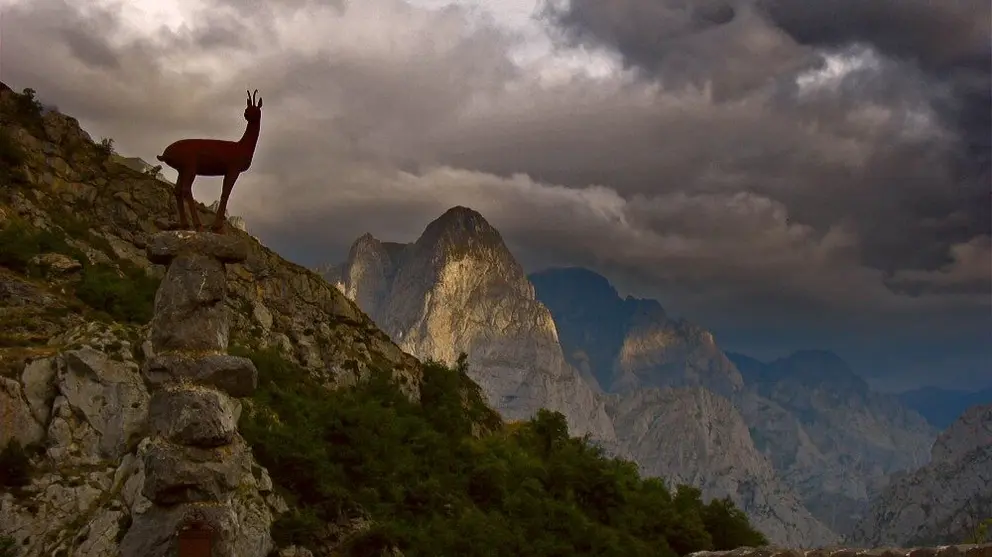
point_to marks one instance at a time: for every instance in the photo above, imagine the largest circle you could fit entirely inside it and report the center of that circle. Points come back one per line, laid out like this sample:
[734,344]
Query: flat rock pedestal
[198,471]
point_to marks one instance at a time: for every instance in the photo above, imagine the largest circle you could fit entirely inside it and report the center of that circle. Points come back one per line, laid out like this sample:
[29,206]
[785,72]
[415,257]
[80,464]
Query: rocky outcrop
[197,468]
[693,436]
[458,288]
[944,501]
[117,468]
[961,550]
[88,478]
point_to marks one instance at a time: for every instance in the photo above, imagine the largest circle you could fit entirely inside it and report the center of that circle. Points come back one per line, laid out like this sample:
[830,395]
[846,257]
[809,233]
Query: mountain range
[801,443]
[941,407]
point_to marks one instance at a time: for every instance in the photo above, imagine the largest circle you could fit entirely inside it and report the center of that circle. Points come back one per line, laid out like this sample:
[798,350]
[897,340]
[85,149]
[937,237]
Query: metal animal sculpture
[212,157]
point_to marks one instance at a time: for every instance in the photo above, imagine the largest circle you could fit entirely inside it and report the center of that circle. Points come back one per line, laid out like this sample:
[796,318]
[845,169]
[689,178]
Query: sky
[790,174]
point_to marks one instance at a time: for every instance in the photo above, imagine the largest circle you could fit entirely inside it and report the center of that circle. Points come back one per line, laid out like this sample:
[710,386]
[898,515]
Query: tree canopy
[431,484]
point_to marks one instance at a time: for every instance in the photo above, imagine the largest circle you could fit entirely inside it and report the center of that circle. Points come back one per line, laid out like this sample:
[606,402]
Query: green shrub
[106,148]
[8,547]
[15,465]
[19,242]
[729,526]
[28,106]
[129,298]
[12,156]
[432,488]
[981,533]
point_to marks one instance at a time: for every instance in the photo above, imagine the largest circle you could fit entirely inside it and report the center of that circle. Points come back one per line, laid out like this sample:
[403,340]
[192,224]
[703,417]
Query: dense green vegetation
[431,487]
[126,296]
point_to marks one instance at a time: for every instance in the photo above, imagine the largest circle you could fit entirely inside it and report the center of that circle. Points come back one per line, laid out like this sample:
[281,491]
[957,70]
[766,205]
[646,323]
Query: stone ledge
[234,375]
[176,474]
[192,416]
[962,550]
[163,247]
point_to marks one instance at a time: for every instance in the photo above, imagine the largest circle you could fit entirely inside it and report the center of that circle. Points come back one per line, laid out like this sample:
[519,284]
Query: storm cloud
[791,174]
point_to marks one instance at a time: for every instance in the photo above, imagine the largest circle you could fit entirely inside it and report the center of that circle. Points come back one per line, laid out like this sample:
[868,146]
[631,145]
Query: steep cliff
[944,501]
[458,289]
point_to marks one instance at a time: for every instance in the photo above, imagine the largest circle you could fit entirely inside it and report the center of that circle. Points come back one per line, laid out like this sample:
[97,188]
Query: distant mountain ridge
[942,502]
[941,407]
[826,433]
[629,343]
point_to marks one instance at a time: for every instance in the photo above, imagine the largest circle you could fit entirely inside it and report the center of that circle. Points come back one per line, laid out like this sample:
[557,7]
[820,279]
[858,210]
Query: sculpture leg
[194,213]
[180,197]
[220,217]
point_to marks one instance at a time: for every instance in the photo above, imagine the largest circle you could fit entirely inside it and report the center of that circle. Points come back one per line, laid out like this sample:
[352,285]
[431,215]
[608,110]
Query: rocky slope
[691,435]
[74,285]
[944,501]
[458,288]
[827,435]
[830,437]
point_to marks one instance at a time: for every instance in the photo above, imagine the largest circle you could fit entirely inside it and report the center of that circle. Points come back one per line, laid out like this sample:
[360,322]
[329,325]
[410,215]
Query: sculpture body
[212,157]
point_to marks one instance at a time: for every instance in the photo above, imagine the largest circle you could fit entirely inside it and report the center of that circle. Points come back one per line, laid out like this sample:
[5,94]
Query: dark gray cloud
[789,187]
[914,198]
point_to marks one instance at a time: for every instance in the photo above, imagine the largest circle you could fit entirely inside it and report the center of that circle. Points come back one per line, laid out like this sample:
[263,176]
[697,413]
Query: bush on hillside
[432,488]
[128,299]
[106,147]
[8,547]
[15,465]
[12,156]
[127,296]
[19,242]
[981,533]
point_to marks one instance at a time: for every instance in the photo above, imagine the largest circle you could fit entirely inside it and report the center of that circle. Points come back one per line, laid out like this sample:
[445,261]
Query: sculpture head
[253,112]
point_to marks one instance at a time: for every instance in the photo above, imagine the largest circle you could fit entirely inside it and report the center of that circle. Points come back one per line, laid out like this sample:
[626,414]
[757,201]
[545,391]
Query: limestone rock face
[829,436]
[457,288]
[943,501]
[693,436]
[86,491]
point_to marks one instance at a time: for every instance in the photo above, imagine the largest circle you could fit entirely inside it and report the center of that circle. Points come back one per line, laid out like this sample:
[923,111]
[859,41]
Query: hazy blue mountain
[942,406]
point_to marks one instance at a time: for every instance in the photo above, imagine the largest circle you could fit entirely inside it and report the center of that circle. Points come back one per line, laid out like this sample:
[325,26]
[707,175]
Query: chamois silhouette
[213,157]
